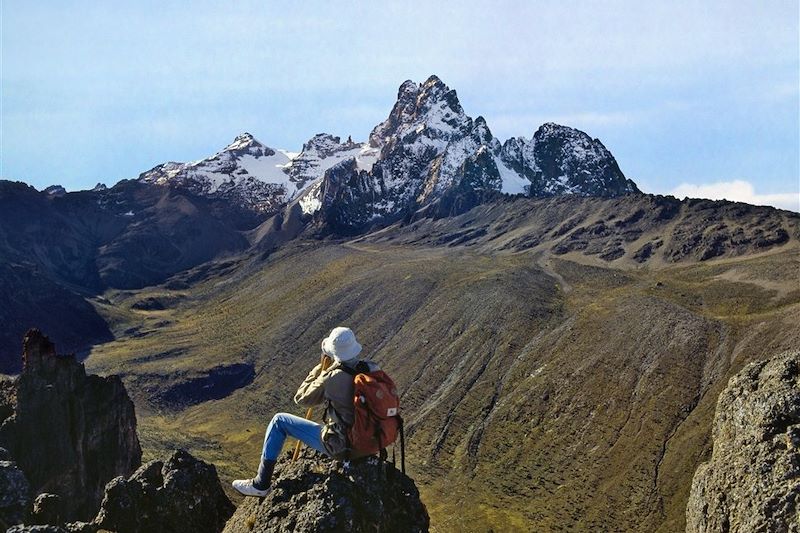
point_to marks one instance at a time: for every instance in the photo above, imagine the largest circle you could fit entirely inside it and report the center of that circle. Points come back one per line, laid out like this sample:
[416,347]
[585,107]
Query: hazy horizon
[691,100]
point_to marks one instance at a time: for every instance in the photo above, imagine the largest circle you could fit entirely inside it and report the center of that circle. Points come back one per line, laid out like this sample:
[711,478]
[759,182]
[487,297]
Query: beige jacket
[334,387]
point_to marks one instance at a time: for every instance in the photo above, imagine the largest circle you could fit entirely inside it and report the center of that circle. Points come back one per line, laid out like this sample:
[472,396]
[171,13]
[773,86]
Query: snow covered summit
[434,157]
[245,171]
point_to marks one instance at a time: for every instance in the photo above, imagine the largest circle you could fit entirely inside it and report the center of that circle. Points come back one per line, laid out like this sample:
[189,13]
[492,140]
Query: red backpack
[377,419]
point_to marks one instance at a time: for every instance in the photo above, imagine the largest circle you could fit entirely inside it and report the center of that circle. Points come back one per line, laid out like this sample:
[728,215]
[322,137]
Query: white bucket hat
[341,344]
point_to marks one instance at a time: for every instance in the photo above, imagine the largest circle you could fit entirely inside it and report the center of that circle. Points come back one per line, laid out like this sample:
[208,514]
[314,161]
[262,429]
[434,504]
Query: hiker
[334,387]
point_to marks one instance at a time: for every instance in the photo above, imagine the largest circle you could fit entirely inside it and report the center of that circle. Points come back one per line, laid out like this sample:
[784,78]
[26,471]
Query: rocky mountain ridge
[58,252]
[626,232]
[434,157]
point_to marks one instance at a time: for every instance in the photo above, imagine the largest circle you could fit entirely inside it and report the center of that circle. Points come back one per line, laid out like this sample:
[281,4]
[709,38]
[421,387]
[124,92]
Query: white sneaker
[245,486]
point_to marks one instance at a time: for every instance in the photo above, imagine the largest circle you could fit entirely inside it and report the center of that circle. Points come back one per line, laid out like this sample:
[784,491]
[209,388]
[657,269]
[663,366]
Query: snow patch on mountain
[513,182]
[311,200]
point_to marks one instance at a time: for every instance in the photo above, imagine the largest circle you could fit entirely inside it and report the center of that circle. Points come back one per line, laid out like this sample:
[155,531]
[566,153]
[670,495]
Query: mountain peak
[434,82]
[568,161]
[425,146]
[430,106]
[246,141]
[323,143]
[435,90]
[553,127]
[407,89]
[55,190]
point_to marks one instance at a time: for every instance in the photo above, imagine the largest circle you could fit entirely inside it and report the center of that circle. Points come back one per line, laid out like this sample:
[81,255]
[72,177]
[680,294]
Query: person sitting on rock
[333,386]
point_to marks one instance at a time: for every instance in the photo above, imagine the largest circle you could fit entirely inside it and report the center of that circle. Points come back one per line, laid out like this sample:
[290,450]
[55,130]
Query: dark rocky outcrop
[31,297]
[316,494]
[477,181]
[181,494]
[752,482]
[348,199]
[69,433]
[55,190]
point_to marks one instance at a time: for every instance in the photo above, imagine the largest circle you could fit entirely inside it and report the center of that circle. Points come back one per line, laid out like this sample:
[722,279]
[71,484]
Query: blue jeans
[285,425]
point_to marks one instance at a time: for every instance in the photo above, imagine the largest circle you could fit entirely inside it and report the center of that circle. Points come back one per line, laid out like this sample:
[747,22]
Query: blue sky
[693,98]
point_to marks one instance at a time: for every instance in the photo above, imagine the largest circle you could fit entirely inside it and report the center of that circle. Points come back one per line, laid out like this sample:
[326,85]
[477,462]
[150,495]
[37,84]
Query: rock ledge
[318,494]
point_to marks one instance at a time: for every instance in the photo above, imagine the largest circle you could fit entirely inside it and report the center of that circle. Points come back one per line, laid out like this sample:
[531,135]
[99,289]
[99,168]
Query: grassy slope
[556,392]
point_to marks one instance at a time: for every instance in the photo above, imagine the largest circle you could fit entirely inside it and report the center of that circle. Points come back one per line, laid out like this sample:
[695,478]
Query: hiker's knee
[280,419]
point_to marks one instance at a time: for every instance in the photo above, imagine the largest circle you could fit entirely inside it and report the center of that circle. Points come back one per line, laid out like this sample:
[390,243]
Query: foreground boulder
[68,432]
[181,494]
[752,482]
[318,494]
[47,509]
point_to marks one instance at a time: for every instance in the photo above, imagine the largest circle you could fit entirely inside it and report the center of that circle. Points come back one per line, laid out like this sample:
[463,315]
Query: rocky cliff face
[69,433]
[315,494]
[323,151]
[752,482]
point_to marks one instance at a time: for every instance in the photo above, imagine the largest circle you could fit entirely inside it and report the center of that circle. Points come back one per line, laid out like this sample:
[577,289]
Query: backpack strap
[362,367]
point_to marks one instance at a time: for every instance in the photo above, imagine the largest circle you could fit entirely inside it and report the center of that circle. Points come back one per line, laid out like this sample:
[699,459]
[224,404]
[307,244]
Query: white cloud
[737,191]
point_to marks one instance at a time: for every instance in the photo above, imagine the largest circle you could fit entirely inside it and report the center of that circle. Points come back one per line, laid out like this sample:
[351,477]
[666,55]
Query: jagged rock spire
[63,421]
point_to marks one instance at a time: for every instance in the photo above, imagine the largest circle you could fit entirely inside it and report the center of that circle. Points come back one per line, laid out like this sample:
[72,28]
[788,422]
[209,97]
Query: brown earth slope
[545,388]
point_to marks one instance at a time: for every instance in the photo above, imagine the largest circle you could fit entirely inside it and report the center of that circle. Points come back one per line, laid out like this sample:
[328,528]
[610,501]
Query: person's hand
[322,366]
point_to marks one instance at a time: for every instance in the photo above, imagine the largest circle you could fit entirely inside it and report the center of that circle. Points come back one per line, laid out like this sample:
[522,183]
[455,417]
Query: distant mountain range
[427,152]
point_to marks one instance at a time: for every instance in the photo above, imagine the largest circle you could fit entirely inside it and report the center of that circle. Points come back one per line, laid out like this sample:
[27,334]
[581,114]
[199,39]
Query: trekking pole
[325,361]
